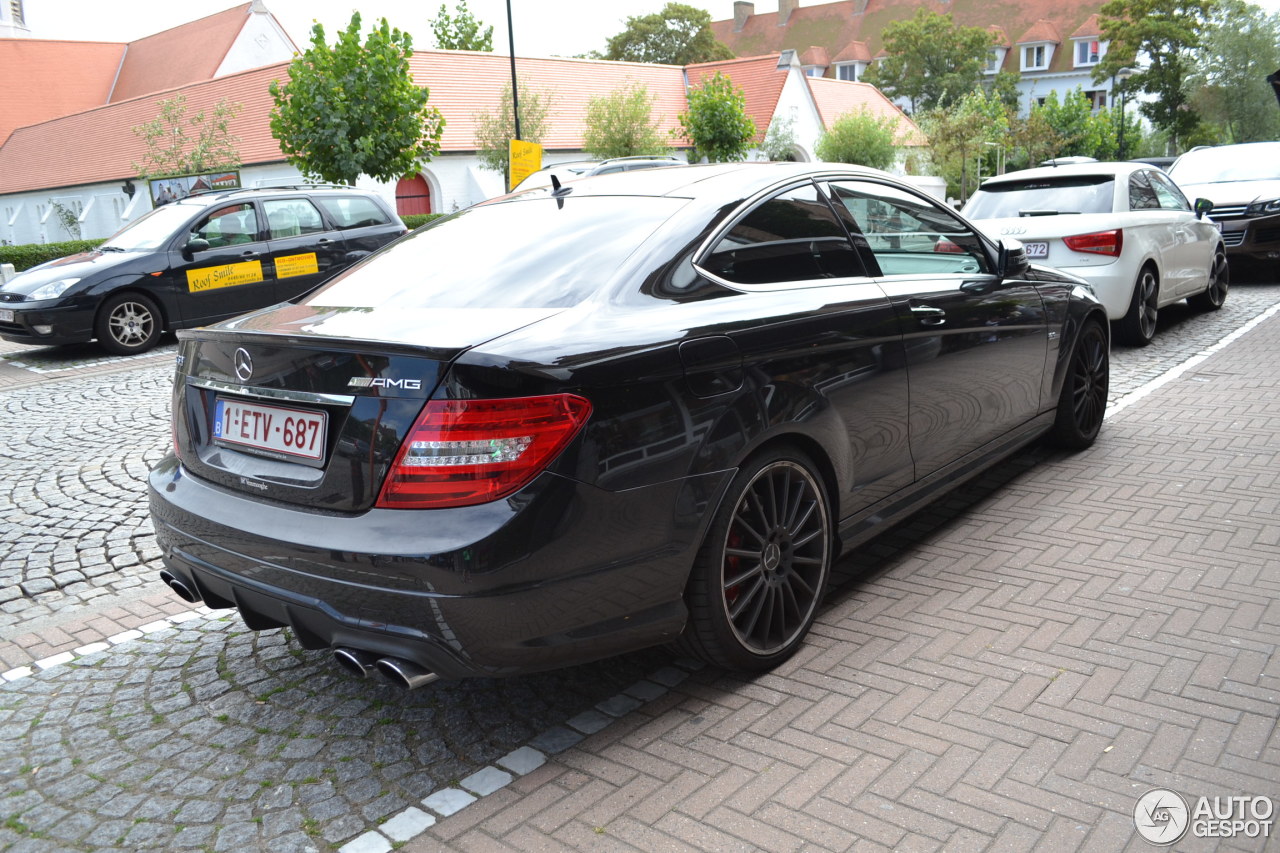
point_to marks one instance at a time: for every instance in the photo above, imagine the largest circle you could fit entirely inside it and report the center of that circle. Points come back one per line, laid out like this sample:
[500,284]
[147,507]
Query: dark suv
[193,262]
[1243,182]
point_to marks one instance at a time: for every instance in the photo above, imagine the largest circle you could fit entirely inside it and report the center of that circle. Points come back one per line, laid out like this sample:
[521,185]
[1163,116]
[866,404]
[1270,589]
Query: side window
[353,211]
[909,235]
[228,226]
[1141,194]
[292,217]
[793,236]
[1171,198]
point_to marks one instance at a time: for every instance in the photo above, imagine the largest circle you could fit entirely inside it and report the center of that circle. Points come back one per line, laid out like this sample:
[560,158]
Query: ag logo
[1161,816]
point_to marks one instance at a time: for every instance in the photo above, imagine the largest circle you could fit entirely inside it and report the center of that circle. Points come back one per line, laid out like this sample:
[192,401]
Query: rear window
[535,253]
[353,211]
[1043,197]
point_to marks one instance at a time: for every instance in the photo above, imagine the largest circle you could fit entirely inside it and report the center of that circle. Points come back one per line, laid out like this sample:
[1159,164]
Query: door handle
[929,316]
[249,254]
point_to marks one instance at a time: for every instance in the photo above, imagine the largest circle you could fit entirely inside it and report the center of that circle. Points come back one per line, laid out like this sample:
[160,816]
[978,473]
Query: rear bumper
[554,576]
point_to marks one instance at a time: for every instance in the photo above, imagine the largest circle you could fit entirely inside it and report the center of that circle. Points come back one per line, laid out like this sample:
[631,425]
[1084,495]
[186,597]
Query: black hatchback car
[643,408]
[193,262]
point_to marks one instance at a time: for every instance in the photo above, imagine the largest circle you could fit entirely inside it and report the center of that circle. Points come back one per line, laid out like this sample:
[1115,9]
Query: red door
[413,196]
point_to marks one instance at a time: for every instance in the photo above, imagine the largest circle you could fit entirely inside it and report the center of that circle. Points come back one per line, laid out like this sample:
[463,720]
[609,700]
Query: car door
[365,225]
[822,342]
[976,346]
[222,267]
[304,249]
[1155,231]
[1194,239]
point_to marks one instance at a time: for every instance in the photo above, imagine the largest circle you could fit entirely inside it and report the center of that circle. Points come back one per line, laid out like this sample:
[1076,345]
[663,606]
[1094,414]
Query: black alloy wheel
[128,323]
[1219,283]
[758,580]
[1082,404]
[1138,326]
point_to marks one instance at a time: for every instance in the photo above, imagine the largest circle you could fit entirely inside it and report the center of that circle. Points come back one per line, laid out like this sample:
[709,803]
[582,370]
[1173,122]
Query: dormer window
[1035,57]
[995,59]
[1089,52]
[850,71]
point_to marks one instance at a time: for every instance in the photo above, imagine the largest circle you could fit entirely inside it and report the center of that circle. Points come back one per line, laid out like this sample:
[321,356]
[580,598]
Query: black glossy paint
[688,376]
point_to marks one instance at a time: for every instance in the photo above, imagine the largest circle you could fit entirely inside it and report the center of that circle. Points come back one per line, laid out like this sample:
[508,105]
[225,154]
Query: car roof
[695,181]
[1068,170]
[205,197]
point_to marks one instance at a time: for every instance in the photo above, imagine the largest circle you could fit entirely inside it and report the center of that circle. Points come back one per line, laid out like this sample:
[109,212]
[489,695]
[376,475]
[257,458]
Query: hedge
[28,255]
[417,220]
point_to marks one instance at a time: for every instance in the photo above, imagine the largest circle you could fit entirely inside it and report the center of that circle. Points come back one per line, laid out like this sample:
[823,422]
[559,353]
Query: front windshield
[151,230]
[1259,162]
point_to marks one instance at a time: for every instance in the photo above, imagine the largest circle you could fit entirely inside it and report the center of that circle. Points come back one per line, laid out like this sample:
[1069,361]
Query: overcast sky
[547,28]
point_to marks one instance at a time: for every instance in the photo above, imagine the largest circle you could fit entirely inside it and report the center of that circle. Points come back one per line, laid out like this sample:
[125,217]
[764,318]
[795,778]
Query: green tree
[931,61]
[461,31]
[717,122]
[965,140]
[1241,48]
[859,138]
[779,140]
[496,128]
[621,124]
[177,145]
[353,109]
[1167,34]
[678,35]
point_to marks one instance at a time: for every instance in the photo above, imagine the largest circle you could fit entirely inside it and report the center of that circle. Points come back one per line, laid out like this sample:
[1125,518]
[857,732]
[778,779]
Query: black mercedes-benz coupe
[617,412]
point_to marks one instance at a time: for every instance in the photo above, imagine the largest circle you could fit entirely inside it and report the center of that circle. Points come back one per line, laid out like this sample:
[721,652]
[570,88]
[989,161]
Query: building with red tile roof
[76,76]
[83,158]
[1029,37]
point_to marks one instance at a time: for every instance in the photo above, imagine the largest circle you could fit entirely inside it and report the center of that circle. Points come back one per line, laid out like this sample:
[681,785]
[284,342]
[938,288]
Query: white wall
[795,103]
[261,42]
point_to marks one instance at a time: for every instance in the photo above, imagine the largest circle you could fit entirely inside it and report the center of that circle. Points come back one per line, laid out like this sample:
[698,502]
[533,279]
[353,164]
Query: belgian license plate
[1036,251]
[6,315]
[274,430]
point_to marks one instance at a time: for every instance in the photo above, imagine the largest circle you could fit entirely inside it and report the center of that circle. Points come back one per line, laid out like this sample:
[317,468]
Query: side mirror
[1013,259]
[1203,206]
[195,244]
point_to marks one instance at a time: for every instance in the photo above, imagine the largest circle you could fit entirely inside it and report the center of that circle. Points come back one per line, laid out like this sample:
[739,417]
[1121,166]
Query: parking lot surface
[1010,670]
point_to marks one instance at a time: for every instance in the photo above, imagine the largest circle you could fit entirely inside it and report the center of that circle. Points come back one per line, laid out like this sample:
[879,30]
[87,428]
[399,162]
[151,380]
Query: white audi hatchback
[1124,227]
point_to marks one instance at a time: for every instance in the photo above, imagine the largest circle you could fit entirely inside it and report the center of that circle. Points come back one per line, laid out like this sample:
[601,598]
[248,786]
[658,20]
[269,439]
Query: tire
[128,323]
[1138,326]
[1219,283]
[761,572]
[1082,403]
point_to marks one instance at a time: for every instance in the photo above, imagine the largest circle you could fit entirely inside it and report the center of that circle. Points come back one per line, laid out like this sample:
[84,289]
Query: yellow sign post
[526,158]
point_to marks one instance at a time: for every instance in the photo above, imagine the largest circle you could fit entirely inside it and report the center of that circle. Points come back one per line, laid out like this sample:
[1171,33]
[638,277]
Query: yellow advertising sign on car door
[228,275]
[291,265]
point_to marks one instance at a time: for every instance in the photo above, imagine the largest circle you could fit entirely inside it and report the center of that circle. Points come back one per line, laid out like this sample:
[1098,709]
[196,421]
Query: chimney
[785,8]
[742,11]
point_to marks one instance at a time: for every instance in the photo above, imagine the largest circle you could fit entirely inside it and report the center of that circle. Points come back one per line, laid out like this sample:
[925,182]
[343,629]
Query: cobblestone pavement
[193,733]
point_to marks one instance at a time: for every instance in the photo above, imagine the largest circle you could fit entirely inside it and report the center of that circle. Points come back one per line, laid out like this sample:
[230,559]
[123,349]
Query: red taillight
[945,245]
[1099,243]
[464,452]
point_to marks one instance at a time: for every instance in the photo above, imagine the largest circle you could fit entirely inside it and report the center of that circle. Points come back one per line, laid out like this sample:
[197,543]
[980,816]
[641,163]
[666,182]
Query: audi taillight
[465,452]
[948,247]
[1098,243]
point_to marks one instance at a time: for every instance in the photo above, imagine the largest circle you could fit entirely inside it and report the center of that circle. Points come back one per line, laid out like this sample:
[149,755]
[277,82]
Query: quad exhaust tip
[404,673]
[180,589]
[355,661]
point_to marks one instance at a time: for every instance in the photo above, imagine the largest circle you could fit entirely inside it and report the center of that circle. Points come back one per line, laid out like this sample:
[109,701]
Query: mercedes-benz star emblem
[244,365]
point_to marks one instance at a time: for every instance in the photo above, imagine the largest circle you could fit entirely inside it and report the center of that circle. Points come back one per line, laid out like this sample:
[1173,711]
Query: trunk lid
[308,406]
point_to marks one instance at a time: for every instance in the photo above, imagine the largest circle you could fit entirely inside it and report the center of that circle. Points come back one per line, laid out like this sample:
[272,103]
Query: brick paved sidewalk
[1010,671]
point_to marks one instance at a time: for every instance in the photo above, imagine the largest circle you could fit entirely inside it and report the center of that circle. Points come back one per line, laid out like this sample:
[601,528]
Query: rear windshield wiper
[1047,212]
